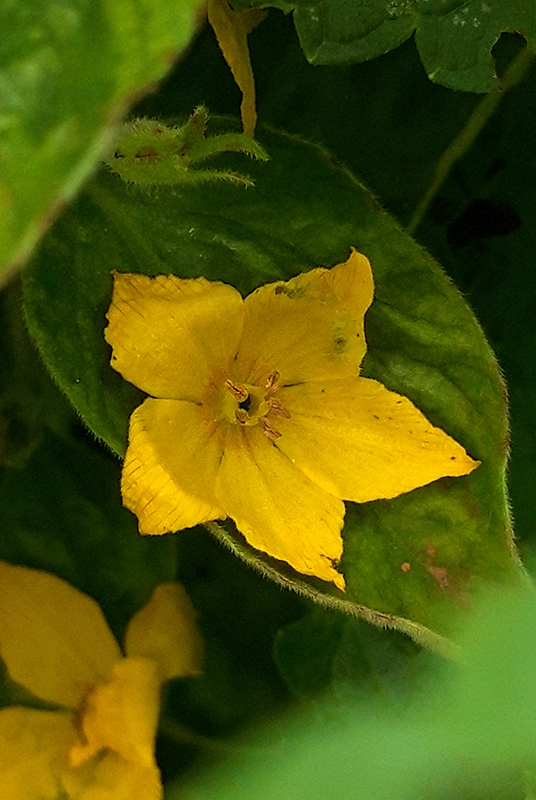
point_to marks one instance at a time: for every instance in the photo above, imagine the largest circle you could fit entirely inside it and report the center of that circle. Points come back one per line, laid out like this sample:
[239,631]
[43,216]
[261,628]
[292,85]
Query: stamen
[268,431]
[277,408]
[242,416]
[238,391]
[272,379]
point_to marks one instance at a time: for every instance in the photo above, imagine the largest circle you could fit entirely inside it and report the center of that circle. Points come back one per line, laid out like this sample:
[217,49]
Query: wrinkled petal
[165,630]
[231,29]
[53,638]
[33,752]
[34,747]
[308,328]
[361,442]
[121,715]
[109,777]
[277,508]
[170,466]
[167,334]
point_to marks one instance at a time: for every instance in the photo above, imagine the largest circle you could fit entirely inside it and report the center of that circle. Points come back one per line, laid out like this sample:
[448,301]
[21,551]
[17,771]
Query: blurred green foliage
[68,71]
[467,732]
[378,716]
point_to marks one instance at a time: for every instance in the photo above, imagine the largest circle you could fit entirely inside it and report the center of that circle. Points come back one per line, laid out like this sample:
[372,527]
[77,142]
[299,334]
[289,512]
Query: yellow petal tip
[339,582]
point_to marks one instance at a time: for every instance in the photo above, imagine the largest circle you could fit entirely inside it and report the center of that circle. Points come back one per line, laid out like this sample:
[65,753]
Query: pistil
[255,403]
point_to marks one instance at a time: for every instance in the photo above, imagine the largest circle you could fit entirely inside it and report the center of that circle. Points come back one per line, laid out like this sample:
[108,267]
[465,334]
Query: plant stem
[463,141]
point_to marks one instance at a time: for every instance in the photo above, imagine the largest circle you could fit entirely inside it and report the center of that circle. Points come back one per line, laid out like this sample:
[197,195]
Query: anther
[277,408]
[240,392]
[268,431]
[272,379]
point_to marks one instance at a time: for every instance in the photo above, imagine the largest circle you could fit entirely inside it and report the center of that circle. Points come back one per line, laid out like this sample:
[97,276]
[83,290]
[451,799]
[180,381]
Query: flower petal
[170,466]
[121,714]
[362,442]
[110,777]
[33,752]
[168,333]
[165,630]
[53,638]
[308,328]
[277,508]
[34,747]
[231,28]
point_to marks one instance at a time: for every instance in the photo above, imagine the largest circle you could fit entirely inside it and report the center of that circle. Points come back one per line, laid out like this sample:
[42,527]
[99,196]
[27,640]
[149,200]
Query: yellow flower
[257,411]
[56,643]
[232,29]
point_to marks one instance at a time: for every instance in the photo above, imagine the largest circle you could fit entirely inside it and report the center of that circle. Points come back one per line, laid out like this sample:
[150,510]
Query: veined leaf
[454,38]
[408,562]
[68,71]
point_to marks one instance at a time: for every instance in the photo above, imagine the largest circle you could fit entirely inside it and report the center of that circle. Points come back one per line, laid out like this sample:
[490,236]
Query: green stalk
[463,141]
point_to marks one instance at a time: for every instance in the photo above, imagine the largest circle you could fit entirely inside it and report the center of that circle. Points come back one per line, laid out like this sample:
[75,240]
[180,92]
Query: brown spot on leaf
[440,574]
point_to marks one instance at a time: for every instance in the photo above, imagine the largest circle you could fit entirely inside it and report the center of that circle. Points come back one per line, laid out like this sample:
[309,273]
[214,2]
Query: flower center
[256,405]
[245,405]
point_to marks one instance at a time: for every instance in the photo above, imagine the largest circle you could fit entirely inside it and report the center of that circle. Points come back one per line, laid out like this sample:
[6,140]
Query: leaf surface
[454,38]
[467,732]
[68,70]
[408,562]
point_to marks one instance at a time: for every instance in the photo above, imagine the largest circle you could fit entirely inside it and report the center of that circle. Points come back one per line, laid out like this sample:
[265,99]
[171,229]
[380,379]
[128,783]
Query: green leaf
[68,70]
[454,38]
[328,653]
[455,41]
[240,683]
[481,228]
[29,401]
[409,562]
[468,733]
[61,512]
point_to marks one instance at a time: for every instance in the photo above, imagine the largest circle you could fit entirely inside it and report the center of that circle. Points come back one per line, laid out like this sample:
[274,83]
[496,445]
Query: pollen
[256,404]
